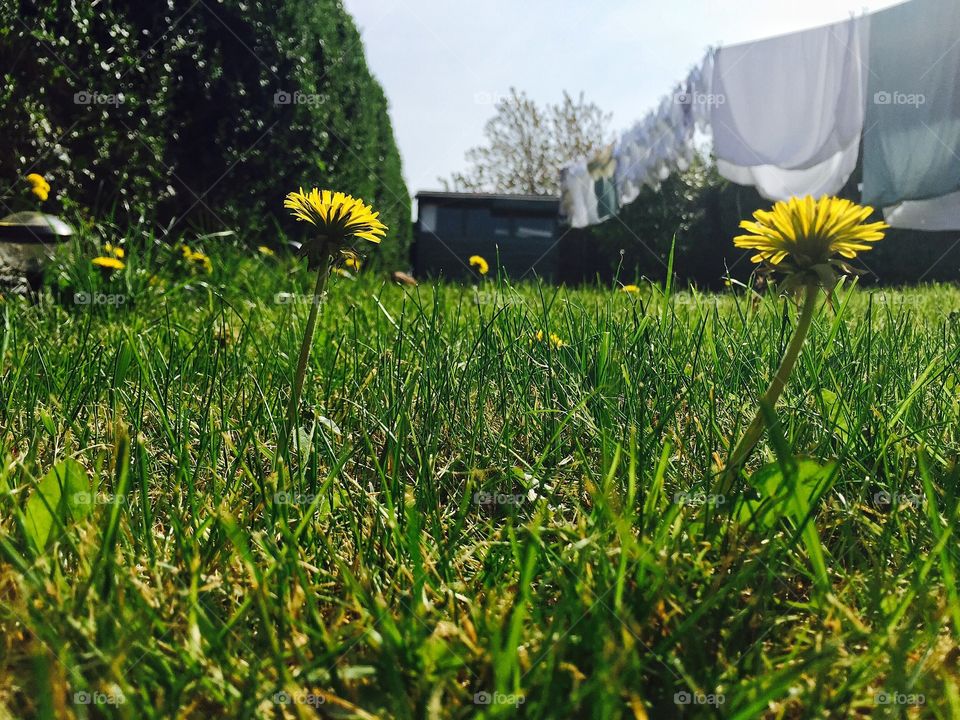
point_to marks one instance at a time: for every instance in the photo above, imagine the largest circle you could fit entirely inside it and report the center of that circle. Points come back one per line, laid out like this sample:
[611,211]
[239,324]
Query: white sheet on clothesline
[792,110]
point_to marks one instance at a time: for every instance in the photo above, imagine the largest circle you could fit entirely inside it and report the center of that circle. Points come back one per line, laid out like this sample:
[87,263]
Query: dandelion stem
[294,403]
[779,381]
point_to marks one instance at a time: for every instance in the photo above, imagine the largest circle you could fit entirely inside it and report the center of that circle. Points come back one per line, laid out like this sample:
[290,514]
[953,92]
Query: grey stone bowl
[27,240]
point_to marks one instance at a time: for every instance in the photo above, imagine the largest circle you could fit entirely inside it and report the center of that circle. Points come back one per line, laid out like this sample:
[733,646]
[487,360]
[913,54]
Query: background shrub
[196,114]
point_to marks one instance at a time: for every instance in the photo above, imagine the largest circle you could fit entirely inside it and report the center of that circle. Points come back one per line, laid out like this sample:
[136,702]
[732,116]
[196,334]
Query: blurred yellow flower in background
[197,259]
[108,263]
[38,186]
[115,250]
[111,259]
[632,289]
[552,338]
[352,261]
[482,266]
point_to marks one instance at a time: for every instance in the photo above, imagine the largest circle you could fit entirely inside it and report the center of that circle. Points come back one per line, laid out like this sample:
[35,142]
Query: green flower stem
[779,381]
[295,392]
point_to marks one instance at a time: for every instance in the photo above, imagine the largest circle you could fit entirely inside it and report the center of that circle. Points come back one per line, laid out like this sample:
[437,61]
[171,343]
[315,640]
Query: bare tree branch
[527,145]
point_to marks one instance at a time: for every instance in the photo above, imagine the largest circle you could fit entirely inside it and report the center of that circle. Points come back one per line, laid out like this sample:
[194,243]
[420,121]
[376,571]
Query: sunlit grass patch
[476,521]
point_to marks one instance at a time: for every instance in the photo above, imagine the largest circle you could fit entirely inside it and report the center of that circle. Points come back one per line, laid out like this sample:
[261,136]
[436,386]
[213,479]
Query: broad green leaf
[305,437]
[329,425]
[63,494]
[781,496]
[836,414]
[787,491]
[48,423]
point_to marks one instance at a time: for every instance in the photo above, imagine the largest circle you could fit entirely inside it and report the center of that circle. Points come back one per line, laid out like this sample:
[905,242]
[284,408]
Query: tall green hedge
[198,113]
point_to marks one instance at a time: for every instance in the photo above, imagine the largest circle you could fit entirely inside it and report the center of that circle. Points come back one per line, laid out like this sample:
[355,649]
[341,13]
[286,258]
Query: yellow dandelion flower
[203,261]
[38,186]
[340,218]
[264,250]
[196,258]
[482,266]
[803,234]
[115,250]
[631,289]
[108,263]
[351,259]
[553,339]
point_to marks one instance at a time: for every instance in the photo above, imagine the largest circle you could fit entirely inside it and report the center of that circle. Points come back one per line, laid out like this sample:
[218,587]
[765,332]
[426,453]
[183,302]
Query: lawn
[479,519]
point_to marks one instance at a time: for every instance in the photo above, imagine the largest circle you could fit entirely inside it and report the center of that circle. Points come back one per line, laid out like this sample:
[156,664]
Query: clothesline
[789,115]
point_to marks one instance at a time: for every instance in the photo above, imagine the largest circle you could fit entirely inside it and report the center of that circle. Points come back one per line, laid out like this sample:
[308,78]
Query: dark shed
[519,230]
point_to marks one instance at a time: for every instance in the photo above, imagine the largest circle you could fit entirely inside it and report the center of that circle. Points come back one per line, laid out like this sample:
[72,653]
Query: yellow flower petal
[110,263]
[480,264]
[337,215]
[809,232]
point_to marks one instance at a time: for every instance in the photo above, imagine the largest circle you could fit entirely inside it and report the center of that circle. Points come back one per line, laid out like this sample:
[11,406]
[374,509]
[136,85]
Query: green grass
[369,582]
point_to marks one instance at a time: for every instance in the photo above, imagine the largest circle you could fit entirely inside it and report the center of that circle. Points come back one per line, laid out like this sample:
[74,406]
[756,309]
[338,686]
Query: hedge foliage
[198,113]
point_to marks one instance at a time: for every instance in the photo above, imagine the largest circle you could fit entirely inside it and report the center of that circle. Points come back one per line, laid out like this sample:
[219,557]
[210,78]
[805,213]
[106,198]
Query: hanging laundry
[602,169]
[936,214]
[700,92]
[912,138]
[775,183]
[661,143]
[578,199]
[788,116]
[792,109]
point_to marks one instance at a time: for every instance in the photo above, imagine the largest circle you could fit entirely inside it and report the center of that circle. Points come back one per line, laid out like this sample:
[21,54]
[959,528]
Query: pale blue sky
[443,62]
